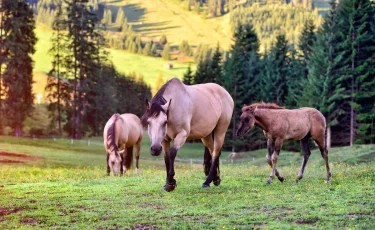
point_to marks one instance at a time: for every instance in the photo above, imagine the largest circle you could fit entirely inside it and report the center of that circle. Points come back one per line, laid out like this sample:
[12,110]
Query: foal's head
[156,119]
[247,120]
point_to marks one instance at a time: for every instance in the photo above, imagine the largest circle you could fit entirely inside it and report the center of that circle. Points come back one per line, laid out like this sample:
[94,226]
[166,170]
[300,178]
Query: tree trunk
[234,118]
[352,109]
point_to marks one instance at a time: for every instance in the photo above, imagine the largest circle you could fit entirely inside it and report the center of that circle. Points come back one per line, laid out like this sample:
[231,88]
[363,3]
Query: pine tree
[159,83]
[120,17]
[306,42]
[165,55]
[216,66]
[241,76]
[147,50]
[355,23]
[322,89]
[163,40]
[185,48]
[188,78]
[18,44]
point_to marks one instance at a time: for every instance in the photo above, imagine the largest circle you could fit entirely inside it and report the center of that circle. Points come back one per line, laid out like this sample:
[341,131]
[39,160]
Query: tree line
[84,89]
[331,68]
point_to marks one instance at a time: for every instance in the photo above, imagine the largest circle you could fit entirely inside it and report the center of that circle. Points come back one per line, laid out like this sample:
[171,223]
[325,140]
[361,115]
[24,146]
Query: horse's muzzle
[156,150]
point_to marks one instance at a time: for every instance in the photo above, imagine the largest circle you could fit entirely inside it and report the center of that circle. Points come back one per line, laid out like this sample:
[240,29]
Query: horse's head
[247,120]
[156,120]
[115,161]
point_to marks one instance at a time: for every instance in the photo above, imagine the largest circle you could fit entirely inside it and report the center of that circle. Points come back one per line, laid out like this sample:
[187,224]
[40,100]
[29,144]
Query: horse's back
[133,127]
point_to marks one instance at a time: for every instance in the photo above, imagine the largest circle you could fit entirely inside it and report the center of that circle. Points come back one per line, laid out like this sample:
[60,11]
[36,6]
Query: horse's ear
[244,105]
[148,105]
[166,106]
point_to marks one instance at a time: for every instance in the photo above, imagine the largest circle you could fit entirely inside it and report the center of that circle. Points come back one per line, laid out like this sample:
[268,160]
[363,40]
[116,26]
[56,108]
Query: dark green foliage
[270,20]
[18,43]
[188,78]
[209,67]
[241,77]
[147,50]
[355,33]
[306,41]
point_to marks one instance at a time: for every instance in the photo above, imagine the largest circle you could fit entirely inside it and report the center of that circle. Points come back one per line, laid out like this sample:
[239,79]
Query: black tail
[129,158]
[207,161]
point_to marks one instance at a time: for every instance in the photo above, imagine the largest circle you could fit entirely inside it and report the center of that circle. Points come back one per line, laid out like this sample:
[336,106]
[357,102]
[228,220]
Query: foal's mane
[262,105]
[157,101]
[111,134]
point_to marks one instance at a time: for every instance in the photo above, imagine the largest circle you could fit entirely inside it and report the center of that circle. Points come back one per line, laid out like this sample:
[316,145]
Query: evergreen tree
[165,55]
[355,23]
[163,40]
[241,77]
[216,66]
[275,85]
[18,46]
[322,90]
[120,17]
[203,72]
[306,42]
[188,78]
[57,51]
[147,50]
[185,48]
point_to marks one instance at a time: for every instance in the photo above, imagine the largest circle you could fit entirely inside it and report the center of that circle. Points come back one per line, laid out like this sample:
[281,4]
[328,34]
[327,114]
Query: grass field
[66,188]
[124,62]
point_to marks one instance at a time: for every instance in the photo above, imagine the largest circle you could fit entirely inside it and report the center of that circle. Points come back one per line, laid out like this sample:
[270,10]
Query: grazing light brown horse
[179,112]
[121,134]
[281,124]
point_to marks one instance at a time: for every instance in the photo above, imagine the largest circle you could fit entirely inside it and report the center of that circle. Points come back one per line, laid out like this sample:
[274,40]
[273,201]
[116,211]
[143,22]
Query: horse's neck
[261,119]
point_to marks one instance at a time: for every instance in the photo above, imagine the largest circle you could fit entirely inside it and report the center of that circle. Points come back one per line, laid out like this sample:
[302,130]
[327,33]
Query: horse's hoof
[205,185]
[169,187]
[217,181]
[326,181]
[281,179]
[268,181]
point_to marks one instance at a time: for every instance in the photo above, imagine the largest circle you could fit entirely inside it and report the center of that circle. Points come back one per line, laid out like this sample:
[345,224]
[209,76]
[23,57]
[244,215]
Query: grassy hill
[64,186]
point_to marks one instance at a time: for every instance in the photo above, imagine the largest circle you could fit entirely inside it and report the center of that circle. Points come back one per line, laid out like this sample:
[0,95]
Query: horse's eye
[247,109]
[165,123]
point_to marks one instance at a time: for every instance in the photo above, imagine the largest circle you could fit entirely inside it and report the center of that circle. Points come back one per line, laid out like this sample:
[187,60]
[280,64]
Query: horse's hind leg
[108,168]
[275,156]
[271,148]
[306,154]
[137,150]
[208,149]
[321,142]
[218,141]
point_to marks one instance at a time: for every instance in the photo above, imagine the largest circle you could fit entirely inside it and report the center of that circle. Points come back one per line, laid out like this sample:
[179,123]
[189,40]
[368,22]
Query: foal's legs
[306,154]
[275,156]
[271,148]
[321,142]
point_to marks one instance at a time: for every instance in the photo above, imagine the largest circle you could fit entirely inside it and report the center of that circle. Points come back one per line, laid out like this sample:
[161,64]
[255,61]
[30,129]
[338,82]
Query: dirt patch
[306,221]
[11,162]
[20,155]
[29,220]
[7,211]
[144,227]
[21,158]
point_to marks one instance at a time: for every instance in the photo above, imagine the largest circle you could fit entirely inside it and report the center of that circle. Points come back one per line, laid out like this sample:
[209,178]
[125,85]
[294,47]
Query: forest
[282,52]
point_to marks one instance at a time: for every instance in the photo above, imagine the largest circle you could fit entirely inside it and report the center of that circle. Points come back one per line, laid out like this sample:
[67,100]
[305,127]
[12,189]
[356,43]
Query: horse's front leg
[275,156]
[108,168]
[172,153]
[166,147]
[271,149]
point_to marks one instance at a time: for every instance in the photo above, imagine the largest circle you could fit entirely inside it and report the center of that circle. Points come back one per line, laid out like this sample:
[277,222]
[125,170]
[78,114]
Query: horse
[121,134]
[180,112]
[279,124]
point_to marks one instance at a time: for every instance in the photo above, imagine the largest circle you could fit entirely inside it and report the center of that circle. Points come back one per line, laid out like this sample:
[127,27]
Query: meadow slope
[67,189]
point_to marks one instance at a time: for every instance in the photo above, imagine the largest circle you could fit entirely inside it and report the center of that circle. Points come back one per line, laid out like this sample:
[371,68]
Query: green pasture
[66,188]
[124,62]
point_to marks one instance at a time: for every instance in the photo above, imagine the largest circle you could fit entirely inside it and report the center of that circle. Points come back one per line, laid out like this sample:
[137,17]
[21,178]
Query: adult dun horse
[121,134]
[281,124]
[179,112]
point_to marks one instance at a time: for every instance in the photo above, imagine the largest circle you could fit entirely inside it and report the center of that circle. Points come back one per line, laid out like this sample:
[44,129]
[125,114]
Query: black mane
[156,104]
